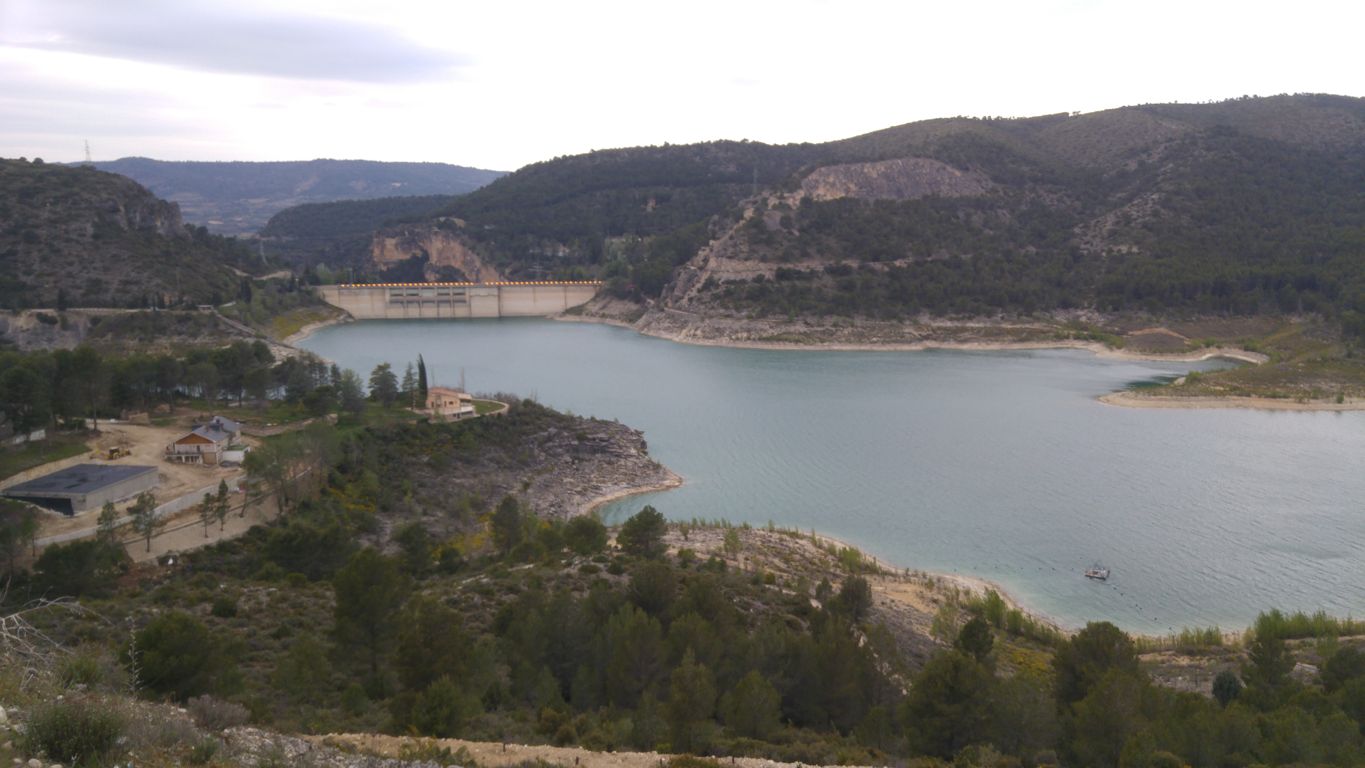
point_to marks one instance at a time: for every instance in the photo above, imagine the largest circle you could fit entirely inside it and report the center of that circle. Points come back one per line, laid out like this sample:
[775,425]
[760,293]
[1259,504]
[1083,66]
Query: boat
[1097,572]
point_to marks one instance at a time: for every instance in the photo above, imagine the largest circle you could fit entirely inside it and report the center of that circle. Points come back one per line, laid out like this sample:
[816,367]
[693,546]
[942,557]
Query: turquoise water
[995,464]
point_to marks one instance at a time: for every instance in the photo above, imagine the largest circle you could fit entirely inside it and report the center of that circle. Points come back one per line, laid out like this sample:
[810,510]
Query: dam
[432,301]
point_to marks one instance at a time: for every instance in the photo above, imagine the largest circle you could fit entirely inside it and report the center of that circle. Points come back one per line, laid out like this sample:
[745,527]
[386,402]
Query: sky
[502,84]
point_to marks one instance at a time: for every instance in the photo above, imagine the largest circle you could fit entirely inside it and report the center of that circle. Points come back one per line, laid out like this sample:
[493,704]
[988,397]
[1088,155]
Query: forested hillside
[339,234]
[237,198]
[85,238]
[1250,206]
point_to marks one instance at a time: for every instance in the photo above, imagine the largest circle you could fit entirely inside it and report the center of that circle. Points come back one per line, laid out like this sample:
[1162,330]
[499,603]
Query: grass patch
[482,407]
[1308,362]
[16,459]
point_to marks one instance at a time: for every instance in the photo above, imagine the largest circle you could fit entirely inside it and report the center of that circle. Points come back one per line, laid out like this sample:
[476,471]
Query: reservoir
[1001,465]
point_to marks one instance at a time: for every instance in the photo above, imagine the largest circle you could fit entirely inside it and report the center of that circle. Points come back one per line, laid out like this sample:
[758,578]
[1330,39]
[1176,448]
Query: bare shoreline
[673,480]
[1100,350]
[311,328]
[975,585]
[1131,399]
[1095,347]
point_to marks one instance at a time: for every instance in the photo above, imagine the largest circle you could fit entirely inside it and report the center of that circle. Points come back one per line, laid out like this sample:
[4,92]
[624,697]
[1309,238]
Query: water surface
[996,464]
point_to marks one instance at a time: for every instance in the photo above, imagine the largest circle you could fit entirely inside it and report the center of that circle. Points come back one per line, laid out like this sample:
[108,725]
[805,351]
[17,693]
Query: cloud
[226,39]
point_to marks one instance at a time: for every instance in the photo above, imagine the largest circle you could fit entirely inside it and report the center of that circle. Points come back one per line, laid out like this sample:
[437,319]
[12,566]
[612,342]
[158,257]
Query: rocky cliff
[438,249]
[905,178]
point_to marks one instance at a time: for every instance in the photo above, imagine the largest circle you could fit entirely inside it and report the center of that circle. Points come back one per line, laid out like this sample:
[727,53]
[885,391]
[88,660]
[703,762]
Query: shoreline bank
[975,585]
[1132,399]
[1095,347]
[308,330]
[671,480]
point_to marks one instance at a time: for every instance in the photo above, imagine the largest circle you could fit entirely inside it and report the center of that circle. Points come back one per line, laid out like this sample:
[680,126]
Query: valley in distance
[371,567]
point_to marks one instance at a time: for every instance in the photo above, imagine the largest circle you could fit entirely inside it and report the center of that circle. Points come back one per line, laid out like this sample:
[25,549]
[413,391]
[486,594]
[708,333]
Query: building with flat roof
[85,487]
[450,403]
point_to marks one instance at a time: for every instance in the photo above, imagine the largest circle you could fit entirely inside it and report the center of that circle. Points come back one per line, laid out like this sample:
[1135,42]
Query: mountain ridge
[239,197]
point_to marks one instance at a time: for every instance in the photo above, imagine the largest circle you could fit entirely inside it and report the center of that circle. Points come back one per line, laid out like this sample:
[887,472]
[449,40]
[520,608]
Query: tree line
[66,387]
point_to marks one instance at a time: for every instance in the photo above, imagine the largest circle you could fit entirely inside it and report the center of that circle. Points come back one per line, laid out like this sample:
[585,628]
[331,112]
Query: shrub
[643,534]
[79,670]
[224,607]
[77,732]
[585,535]
[216,714]
[175,654]
[202,753]
[81,568]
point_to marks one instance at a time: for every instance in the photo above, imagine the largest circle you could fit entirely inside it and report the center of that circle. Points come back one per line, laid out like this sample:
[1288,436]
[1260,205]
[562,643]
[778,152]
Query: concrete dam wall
[420,301]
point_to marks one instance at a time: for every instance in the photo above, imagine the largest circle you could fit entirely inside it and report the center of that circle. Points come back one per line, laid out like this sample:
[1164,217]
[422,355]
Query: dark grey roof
[225,424]
[212,433]
[82,478]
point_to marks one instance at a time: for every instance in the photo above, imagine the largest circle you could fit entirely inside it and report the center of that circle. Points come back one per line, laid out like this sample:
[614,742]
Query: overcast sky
[501,84]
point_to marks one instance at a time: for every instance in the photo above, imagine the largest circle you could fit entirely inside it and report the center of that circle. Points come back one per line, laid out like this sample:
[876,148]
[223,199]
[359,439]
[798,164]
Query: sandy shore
[673,480]
[1131,399]
[311,328]
[1100,350]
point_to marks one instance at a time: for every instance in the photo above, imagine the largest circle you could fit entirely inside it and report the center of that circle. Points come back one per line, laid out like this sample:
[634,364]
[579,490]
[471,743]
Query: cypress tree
[421,380]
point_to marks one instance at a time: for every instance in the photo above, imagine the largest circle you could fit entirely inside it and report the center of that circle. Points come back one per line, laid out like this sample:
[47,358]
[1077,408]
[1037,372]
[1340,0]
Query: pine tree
[408,388]
[206,512]
[221,505]
[107,524]
[145,520]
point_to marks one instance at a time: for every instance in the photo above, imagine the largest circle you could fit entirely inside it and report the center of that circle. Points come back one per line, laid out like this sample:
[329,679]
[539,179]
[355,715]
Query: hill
[76,236]
[339,234]
[1254,206]
[420,586]
[237,198]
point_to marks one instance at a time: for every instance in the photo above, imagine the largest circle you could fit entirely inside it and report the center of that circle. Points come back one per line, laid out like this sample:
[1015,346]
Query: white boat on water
[1097,572]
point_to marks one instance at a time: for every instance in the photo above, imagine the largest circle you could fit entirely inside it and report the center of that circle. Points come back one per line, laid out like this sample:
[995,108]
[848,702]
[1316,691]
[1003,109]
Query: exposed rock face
[443,247]
[902,179]
[561,465]
[252,746]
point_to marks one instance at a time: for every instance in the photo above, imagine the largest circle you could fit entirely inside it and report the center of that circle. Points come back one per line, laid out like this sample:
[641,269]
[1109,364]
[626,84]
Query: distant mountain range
[1248,206]
[235,198]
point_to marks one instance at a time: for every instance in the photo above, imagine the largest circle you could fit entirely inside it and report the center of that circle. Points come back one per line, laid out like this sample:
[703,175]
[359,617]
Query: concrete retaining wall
[432,301]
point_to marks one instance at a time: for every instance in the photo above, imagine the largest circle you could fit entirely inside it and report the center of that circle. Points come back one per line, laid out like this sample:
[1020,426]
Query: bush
[643,534]
[216,714]
[76,732]
[176,655]
[81,568]
[202,753]
[224,607]
[585,535]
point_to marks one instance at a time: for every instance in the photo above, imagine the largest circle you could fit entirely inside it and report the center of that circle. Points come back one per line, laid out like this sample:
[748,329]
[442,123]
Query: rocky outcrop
[905,178]
[253,746]
[442,246]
